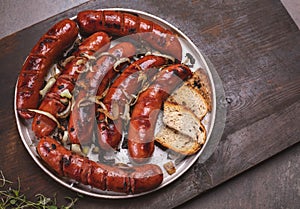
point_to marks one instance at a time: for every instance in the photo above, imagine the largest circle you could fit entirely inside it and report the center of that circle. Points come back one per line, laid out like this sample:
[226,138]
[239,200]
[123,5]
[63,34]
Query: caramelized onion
[41,112]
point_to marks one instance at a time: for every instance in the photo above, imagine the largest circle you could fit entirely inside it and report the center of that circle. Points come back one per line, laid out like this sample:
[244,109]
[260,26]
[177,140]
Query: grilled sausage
[133,180]
[82,119]
[146,110]
[43,125]
[48,49]
[120,94]
[124,23]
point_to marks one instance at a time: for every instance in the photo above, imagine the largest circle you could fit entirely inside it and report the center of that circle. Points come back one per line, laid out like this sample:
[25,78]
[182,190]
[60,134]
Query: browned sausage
[42,125]
[119,95]
[48,49]
[146,110]
[82,118]
[123,24]
[134,179]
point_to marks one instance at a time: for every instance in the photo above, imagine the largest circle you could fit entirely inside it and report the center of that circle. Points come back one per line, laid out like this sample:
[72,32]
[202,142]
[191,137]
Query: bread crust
[183,131]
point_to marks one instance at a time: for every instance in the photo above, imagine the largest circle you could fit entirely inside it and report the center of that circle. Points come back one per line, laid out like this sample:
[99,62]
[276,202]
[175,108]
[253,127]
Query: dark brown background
[255,48]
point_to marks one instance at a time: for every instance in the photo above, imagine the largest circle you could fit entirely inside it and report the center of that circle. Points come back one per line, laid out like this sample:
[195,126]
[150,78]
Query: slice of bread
[183,111]
[183,120]
[190,98]
[177,142]
[200,82]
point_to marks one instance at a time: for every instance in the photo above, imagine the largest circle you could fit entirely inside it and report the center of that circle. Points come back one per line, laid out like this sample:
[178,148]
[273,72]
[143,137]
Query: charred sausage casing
[135,179]
[48,49]
[52,102]
[124,24]
[120,94]
[146,110]
[82,118]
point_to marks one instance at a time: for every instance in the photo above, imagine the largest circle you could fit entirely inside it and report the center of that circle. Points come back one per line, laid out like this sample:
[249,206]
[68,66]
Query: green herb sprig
[13,198]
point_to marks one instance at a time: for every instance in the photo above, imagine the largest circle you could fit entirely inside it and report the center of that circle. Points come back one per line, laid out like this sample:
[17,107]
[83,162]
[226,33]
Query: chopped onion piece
[66,93]
[76,149]
[46,114]
[169,167]
[47,87]
[65,137]
[95,150]
[120,61]
[85,150]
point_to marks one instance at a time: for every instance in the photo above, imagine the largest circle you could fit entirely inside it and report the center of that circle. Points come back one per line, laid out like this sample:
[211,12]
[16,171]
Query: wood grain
[253,45]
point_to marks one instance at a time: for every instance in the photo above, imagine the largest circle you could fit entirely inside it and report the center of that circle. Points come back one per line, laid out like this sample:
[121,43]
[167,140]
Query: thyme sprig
[13,198]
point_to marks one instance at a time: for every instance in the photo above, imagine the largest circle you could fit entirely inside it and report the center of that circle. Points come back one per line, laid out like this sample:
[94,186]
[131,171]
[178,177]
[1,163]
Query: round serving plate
[160,156]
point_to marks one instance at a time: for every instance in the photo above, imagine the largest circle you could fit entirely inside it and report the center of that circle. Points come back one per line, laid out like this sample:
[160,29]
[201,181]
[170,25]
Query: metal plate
[160,156]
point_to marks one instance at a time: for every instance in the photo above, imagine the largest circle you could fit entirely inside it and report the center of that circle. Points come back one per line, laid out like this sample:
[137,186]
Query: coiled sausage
[135,179]
[120,94]
[146,110]
[48,49]
[42,125]
[82,118]
[123,24]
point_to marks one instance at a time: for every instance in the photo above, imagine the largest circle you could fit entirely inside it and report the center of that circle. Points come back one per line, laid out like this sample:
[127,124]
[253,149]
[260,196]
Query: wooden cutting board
[254,47]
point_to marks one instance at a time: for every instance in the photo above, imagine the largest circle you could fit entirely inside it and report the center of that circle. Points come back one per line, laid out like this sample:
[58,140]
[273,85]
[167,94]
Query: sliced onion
[134,100]
[89,57]
[142,78]
[85,68]
[89,100]
[66,112]
[120,61]
[115,111]
[102,105]
[64,100]
[66,61]
[104,92]
[161,55]
[81,61]
[84,102]
[47,114]
[107,54]
[128,97]
[47,87]
[145,87]
[107,114]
